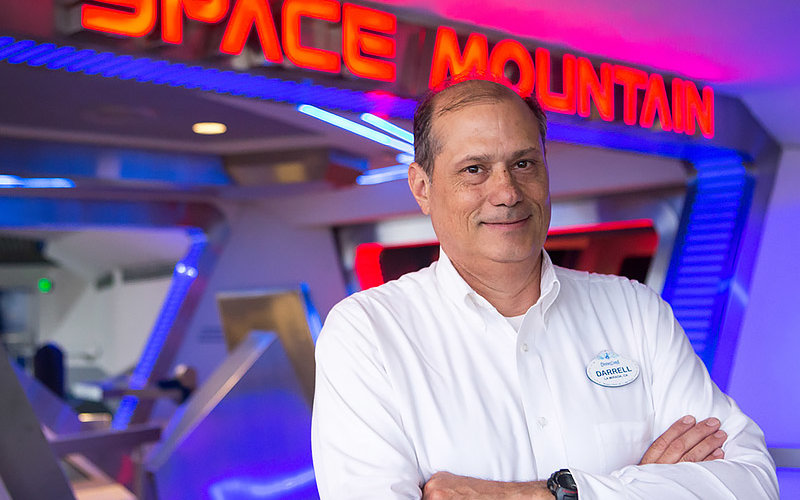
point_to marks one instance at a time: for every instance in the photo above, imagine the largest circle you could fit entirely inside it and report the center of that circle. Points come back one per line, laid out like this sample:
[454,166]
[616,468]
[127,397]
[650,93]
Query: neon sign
[581,85]
[368,50]
[366,43]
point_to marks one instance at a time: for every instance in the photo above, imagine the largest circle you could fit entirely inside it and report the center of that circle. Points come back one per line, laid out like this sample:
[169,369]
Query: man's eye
[524,164]
[472,169]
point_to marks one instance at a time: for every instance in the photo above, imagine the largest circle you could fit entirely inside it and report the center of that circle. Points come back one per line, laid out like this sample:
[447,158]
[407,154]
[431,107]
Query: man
[484,374]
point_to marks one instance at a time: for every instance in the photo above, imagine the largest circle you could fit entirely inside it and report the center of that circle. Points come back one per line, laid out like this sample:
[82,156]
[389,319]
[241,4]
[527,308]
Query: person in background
[495,374]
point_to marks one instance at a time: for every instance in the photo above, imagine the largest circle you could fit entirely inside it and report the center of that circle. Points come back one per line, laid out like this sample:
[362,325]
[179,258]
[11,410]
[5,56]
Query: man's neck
[512,288]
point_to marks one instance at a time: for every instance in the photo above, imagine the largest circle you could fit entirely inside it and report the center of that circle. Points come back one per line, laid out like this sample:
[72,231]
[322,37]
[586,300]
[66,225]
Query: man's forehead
[470,93]
[474,93]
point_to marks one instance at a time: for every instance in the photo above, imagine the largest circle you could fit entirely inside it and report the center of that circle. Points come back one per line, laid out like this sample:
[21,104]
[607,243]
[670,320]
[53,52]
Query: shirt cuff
[596,486]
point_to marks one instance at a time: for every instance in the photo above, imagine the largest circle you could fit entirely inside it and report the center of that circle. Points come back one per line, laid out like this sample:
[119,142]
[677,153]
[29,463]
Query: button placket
[540,415]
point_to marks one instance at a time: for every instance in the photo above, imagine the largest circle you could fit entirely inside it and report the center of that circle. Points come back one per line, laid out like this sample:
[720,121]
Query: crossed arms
[362,448]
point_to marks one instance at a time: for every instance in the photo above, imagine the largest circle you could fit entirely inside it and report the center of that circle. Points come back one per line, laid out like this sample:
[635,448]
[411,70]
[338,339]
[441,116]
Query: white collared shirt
[422,375]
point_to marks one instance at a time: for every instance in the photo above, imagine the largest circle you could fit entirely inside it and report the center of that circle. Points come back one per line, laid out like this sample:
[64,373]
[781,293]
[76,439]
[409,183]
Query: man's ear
[420,186]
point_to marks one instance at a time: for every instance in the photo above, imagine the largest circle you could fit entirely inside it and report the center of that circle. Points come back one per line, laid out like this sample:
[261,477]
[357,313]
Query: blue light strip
[405,158]
[386,174]
[144,69]
[266,488]
[12,181]
[182,279]
[703,262]
[355,128]
[312,315]
[388,127]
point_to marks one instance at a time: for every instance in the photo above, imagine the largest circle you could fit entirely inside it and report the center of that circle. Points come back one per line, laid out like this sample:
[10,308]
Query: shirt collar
[457,289]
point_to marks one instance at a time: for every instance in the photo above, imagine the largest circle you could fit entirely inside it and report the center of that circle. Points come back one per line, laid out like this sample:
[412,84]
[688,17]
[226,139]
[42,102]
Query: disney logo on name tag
[609,369]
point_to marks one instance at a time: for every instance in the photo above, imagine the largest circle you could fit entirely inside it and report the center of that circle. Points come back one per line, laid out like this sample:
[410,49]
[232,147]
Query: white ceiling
[91,252]
[746,48]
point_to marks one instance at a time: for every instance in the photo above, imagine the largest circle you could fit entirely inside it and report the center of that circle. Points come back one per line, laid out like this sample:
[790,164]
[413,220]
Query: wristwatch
[562,485]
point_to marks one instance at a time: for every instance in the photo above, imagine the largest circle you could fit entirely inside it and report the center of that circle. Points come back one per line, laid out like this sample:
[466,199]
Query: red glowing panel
[447,55]
[208,11]
[368,265]
[563,102]
[355,41]
[137,19]
[603,247]
[602,227]
[309,57]
[245,15]
[512,50]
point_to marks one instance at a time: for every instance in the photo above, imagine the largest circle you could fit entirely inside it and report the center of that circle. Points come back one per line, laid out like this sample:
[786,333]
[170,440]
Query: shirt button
[542,421]
[524,347]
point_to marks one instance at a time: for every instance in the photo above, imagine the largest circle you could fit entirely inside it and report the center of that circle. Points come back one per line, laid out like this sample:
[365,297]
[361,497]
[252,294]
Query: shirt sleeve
[359,448]
[681,386]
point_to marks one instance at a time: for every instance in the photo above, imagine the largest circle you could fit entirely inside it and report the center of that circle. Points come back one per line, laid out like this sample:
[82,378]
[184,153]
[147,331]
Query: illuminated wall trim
[182,278]
[145,69]
[700,277]
[357,128]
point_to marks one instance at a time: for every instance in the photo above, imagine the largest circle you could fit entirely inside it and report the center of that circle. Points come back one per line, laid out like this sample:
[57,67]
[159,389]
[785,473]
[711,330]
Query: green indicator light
[45,285]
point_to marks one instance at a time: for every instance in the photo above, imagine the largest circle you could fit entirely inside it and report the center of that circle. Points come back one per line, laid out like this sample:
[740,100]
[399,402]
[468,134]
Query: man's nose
[503,188]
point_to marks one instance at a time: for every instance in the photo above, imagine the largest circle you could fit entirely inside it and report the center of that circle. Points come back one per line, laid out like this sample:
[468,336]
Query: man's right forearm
[446,486]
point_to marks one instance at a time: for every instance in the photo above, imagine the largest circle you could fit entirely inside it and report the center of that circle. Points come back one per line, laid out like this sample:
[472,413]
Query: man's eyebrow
[477,158]
[525,152]
[484,158]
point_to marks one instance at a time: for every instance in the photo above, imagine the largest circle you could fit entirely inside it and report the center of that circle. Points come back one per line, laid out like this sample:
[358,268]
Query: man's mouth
[508,223]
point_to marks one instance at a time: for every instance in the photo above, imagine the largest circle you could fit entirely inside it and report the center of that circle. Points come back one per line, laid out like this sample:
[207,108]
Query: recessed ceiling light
[209,128]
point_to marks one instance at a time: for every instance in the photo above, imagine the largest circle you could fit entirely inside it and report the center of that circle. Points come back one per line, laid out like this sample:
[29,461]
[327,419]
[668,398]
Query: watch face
[562,485]
[565,480]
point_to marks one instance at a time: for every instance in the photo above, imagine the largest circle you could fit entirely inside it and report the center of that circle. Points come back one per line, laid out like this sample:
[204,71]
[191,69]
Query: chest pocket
[623,443]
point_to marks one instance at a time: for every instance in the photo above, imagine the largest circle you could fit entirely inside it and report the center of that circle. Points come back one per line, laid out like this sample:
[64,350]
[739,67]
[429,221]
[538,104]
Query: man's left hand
[446,486]
[687,441]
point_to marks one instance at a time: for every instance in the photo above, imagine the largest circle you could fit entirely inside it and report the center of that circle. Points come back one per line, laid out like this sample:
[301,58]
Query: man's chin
[513,256]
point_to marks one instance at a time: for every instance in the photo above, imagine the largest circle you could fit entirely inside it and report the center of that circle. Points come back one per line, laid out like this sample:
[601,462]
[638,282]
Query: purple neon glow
[641,33]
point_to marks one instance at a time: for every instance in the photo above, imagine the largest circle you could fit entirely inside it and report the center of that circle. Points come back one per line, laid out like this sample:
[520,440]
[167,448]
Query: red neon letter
[600,91]
[121,22]
[564,102]
[309,57]
[678,105]
[355,41]
[655,99]
[245,14]
[447,55]
[700,109]
[208,11]
[512,50]
[631,80]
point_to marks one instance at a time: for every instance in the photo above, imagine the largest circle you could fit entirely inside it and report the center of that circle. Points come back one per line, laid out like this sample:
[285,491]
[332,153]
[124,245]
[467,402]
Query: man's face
[488,196]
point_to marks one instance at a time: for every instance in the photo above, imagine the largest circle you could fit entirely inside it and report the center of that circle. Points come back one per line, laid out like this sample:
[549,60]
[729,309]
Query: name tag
[609,369]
